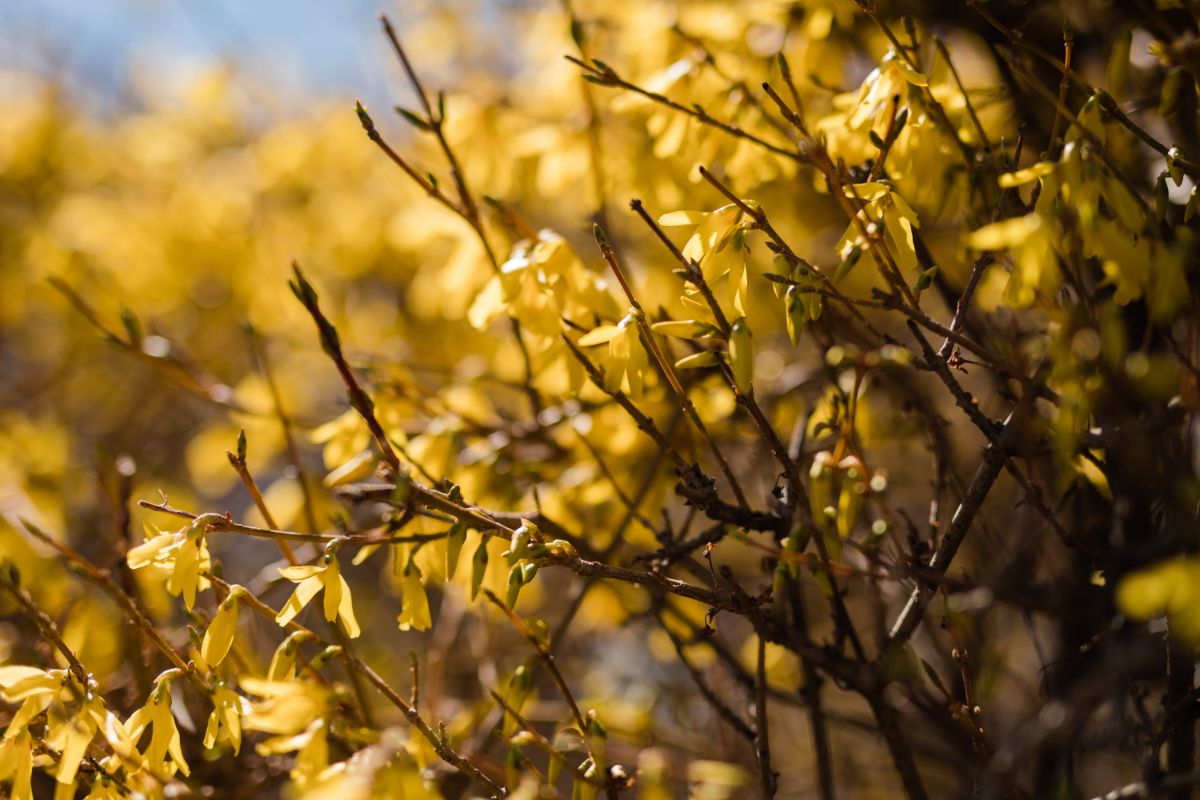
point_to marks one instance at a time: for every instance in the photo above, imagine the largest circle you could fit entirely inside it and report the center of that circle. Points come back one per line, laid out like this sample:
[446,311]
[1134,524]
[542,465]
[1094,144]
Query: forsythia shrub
[774,399]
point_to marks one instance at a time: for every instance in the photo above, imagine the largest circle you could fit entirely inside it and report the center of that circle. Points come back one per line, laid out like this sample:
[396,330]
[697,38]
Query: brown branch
[544,654]
[811,692]
[360,401]
[977,492]
[170,366]
[643,422]
[979,129]
[45,624]
[681,395]
[258,352]
[544,743]
[129,605]
[1110,105]
[721,708]
[762,740]
[440,744]
[238,462]
[606,77]
[897,744]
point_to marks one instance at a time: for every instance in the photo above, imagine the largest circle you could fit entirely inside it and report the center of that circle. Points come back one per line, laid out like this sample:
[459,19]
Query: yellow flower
[33,688]
[70,736]
[16,764]
[313,578]
[228,709]
[164,754]
[219,636]
[1171,587]
[104,788]
[286,707]
[542,281]
[414,608]
[626,364]
[183,555]
[311,746]
[68,732]
[1031,241]
[883,206]
[741,355]
[283,662]
[718,246]
[890,79]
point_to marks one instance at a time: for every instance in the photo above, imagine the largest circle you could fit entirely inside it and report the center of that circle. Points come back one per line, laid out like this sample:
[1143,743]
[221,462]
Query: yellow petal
[741,355]
[334,585]
[600,335]
[33,705]
[185,577]
[360,466]
[78,736]
[488,305]
[705,358]
[676,219]
[415,611]
[176,752]
[15,677]
[219,636]
[150,550]
[287,707]
[306,590]
[1146,593]
[301,572]
[1028,175]
[1006,233]
[345,611]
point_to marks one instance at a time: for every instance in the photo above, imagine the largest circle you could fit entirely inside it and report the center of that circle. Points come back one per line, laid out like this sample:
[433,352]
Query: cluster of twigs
[851,636]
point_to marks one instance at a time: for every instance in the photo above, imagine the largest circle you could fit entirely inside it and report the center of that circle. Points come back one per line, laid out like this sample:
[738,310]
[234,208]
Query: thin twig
[46,625]
[978,490]
[440,744]
[610,78]
[722,708]
[262,360]
[651,343]
[360,401]
[238,462]
[762,742]
[544,654]
[543,743]
[129,606]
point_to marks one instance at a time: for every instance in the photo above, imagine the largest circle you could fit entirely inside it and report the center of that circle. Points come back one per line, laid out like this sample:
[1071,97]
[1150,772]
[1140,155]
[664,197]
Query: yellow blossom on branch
[311,579]
[182,556]
[164,755]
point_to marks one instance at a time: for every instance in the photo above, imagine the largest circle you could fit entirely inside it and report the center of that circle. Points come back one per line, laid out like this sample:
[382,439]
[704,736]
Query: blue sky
[305,47]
